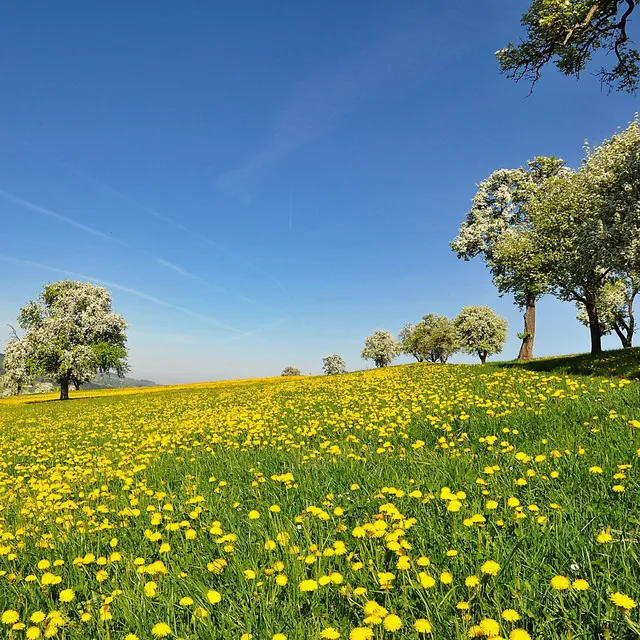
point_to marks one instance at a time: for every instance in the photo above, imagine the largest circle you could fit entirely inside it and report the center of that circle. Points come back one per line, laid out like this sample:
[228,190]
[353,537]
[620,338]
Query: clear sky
[260,184]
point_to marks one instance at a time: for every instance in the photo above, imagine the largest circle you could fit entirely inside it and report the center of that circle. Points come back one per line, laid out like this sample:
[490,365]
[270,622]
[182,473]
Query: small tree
[381,347]
[71,333]
[481,331]
[333,364]
[434,339]
[291,371]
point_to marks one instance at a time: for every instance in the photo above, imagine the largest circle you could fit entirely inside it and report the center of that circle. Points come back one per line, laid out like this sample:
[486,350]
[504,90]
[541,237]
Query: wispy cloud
[27,204]
[32,206]
[134,203]
[129,290]
[259,330]
[187,274]
[318,105]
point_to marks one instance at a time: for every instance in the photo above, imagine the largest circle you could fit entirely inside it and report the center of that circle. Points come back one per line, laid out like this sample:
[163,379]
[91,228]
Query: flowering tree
[434,339]
[291,371]
[481,331]
[615,308]
[71,333]
[569,32]
[381,347]
[498,228]
[333,364]
[588,224]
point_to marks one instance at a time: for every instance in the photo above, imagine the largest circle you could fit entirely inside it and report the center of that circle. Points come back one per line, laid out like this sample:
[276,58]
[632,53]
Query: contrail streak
[149,210]
[129,290]
[27,204]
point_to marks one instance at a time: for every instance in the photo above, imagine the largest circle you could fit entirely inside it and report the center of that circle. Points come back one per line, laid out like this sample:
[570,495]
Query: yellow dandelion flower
[330,633]
[50,579]
[421,625]
[604,537]
[426,580]
[67,595]
[361,633]
[622,601]
[213,596]
[10,617]
[519,634]
[392,622]
[510,615]
[580,584]
[560,583]
[161,630]
[490,568]
[490,627]
[308,585]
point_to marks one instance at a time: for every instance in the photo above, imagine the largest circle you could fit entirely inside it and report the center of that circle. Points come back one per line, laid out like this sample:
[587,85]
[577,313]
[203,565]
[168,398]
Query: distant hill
[102,380]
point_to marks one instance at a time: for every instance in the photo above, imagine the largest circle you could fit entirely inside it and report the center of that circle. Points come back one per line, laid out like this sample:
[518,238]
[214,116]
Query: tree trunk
[483,356]
[594,324]
[623,333]
[526,348]
[64,388]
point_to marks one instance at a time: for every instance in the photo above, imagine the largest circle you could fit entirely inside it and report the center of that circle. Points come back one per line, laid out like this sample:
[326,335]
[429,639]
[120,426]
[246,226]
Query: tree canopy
[291,371]
[333,364]
[71,333]
[481,331]
[587,223]
[381,347]
[433,339]
[568,33]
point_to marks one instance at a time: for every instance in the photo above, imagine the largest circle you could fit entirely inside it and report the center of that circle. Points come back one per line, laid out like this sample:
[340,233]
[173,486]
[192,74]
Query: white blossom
[333,364]
[381,347]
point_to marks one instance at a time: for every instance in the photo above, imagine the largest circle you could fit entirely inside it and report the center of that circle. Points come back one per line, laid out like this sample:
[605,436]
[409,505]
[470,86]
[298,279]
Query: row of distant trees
[575,234]
[476,330]
[331,365]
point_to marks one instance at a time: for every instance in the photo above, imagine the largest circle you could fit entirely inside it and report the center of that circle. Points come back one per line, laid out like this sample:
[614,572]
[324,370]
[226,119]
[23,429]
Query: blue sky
[262,184]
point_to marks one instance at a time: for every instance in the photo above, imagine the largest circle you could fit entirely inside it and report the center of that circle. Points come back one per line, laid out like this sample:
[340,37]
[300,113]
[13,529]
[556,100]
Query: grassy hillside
[620,363]
[413,502]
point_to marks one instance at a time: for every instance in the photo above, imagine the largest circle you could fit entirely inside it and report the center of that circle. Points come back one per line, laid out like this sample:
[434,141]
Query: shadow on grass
[619,363]
[58,400]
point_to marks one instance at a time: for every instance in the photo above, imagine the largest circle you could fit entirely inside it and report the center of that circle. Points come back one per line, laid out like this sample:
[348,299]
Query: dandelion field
[410,502]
